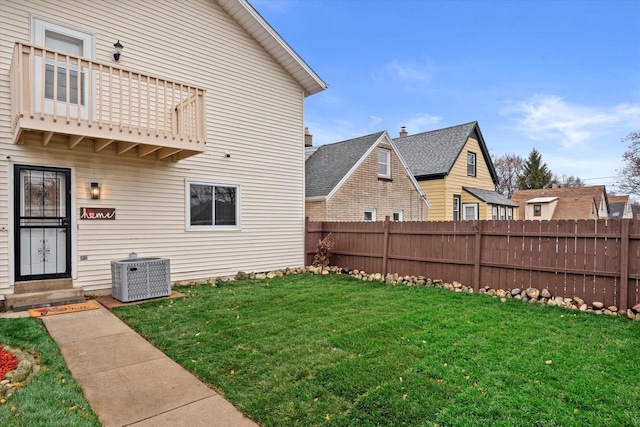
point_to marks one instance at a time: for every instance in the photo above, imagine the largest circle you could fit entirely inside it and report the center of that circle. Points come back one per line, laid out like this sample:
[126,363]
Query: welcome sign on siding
[98,214]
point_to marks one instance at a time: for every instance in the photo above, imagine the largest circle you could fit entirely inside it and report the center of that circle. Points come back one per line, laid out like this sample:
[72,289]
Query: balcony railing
[53,93]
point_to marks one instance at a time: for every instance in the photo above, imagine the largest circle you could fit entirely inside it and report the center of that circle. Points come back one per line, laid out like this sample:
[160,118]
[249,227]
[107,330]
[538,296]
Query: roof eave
[256,26]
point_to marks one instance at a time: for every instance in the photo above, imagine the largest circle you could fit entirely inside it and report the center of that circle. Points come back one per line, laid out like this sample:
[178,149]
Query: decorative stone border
[531,295]
[28,366]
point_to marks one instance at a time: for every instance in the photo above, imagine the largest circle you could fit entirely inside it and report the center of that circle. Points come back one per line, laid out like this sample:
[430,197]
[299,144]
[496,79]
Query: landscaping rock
[613,308]
[261,276]
[242,275]
[533,293]
[545,293]
[583,307]
[597,305]
[515,291]
[636,308]
[578,300]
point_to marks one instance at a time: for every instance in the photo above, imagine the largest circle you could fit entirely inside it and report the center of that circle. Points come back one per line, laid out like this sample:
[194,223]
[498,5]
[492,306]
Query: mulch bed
[8,362]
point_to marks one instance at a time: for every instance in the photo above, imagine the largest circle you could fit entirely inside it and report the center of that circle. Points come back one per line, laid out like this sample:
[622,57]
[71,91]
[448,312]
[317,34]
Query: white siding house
[194,136]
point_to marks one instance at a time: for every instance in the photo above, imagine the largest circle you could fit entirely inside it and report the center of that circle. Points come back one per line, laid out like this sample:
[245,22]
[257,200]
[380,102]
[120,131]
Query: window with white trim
[503,212]
[510,213]
[494,212]
[456,207]
[62,79]
[212,206]
[369,214]
[469,211]
[398,215]
[384,163]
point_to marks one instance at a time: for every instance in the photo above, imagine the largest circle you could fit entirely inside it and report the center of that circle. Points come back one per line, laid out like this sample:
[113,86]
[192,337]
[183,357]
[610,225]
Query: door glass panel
[43,222]
[71,46]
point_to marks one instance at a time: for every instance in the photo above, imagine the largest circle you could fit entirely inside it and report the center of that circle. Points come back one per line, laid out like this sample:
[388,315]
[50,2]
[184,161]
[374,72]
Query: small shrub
[323,252]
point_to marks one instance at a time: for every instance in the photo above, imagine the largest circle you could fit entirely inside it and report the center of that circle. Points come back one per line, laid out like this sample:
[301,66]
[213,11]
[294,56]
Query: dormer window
[384,163]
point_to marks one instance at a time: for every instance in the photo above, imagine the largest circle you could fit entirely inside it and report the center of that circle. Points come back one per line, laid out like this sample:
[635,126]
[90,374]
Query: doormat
[63,309]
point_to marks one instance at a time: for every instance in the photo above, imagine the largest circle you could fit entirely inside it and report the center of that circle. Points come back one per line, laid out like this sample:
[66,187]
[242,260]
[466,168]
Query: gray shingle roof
[433,153]
[490,197]
[330,163]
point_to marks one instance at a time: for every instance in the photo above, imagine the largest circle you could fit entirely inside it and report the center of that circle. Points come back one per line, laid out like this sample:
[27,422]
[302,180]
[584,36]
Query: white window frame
[39,27]
[372,211]
[510,213]
[400,214]
[464,211]
[387,163]
[213,184]
[457,204]
[503,213]
[494,212]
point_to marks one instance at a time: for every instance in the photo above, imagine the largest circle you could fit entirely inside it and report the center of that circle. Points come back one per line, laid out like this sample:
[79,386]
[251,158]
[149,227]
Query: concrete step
[26,301]
[42,285]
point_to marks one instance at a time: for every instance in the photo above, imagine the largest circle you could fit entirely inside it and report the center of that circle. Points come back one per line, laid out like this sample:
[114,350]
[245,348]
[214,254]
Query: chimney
[308,138]
[403,131]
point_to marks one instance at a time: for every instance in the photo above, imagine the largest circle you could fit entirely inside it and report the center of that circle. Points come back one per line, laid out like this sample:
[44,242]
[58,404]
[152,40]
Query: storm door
[42,210]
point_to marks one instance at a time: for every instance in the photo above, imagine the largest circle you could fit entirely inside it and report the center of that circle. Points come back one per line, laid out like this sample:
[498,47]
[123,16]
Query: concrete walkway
[129,382]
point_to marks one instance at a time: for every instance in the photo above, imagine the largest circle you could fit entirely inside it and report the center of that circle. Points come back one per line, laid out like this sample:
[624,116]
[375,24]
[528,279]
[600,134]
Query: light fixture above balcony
[117,46]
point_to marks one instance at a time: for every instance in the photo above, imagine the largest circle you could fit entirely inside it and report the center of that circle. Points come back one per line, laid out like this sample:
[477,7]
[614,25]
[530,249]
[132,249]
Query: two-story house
[170,129]
[563,203]
[454,169]
[361,179]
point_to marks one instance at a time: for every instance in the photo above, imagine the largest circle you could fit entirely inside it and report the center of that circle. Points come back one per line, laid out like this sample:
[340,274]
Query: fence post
[385,246]
[306,240]
[624,266]
[476,256]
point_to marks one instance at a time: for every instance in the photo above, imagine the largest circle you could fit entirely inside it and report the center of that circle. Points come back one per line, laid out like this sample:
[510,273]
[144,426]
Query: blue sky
[561,76]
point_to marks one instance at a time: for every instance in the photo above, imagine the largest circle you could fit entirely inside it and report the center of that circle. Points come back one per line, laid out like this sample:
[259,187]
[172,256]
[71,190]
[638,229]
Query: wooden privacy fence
[596,260]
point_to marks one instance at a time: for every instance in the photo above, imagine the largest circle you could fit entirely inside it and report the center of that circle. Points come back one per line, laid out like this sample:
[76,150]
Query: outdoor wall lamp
[117,50]
[95,191]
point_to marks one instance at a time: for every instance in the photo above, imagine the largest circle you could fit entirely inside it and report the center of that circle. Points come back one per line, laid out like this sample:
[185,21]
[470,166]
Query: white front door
[65,81]
[42,215]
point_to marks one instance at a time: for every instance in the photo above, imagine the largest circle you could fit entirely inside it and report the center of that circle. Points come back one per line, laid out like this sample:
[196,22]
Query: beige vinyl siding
[441,191]
[254,112]
[435,192]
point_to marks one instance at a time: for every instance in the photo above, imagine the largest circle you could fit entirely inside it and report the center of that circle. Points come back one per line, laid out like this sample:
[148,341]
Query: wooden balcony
[60,97]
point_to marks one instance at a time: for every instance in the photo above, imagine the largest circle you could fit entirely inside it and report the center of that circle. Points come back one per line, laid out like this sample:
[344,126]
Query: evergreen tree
[535,174]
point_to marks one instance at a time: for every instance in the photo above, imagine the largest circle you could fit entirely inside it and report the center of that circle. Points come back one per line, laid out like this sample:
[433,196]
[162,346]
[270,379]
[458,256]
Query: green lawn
[52,397]
[332,350]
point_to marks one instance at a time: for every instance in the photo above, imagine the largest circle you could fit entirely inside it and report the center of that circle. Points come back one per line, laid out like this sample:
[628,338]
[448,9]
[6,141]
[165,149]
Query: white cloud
[420,123]
[375,120]
[411,72]
[545,117]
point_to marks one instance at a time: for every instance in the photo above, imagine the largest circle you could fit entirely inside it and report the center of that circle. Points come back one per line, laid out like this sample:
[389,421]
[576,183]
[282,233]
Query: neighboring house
[361,179]
[619,207]
[563,203]
[179,124]
[454,168]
